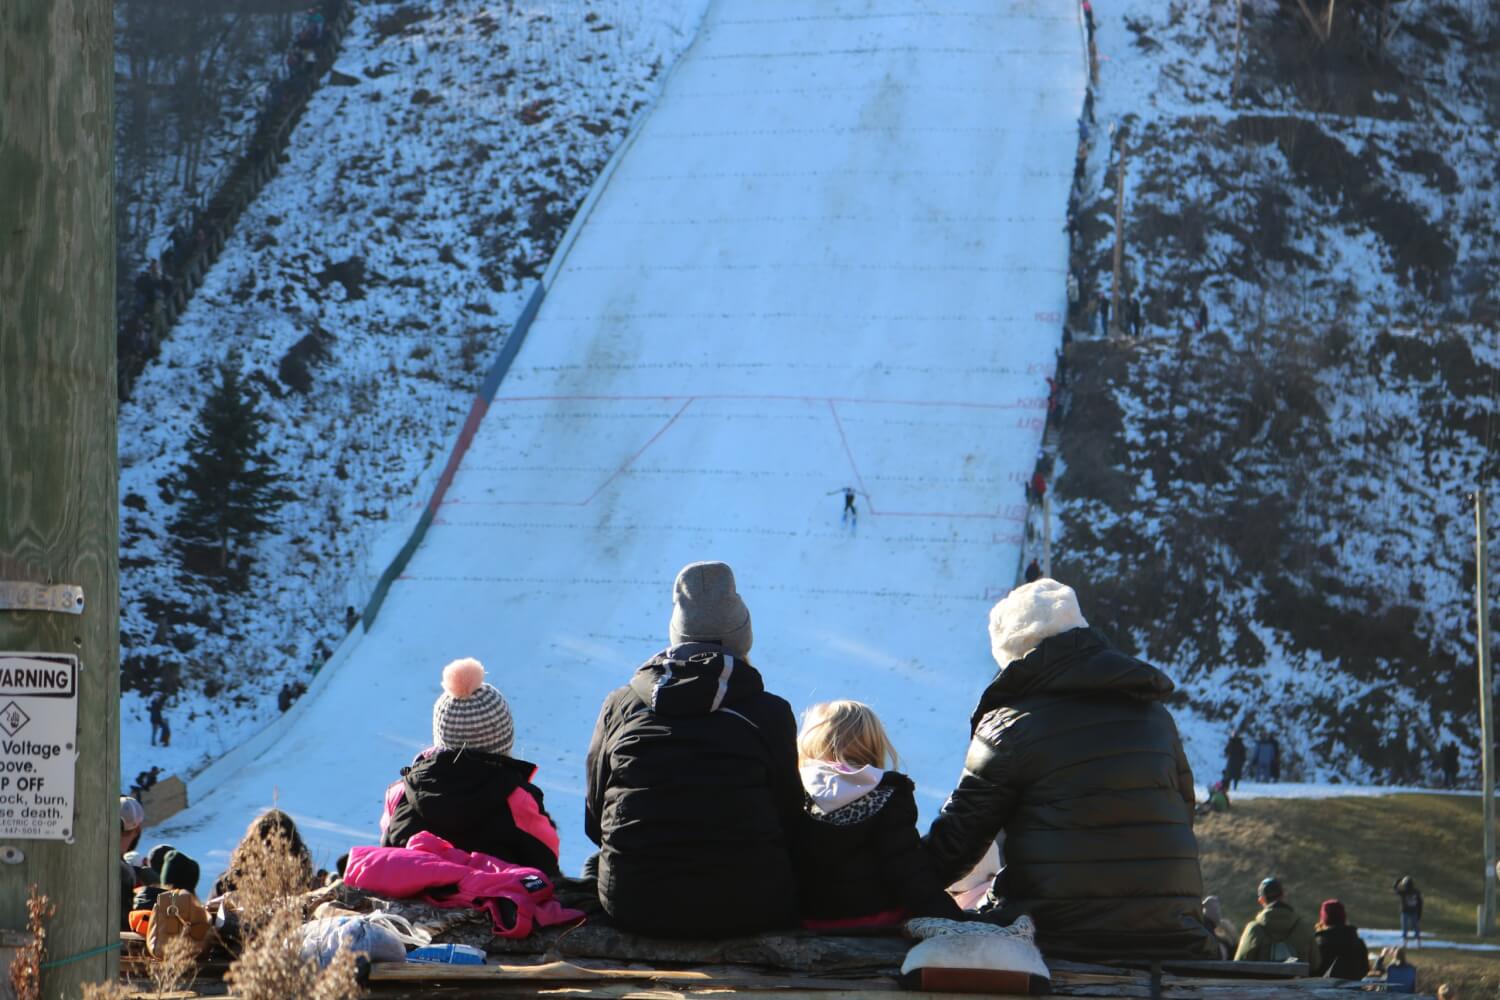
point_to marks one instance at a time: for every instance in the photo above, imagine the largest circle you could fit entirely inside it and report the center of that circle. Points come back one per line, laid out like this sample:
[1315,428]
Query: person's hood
[461,775]
[832,786]
[1279,918]
[1076,662]
[695,678]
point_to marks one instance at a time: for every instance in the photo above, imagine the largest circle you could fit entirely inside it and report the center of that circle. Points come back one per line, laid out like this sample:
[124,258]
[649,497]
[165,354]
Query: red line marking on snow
[640,451]
[830,401]
[849,453]
[1028,403]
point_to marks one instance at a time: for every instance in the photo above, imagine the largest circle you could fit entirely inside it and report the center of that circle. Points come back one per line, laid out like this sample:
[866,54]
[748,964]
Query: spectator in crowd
[272,829]
[1076,758]
[859,860]
[1278,933]
[1411,909]
[1219,926]
[1399,975]
[1449,760]
[160,729]
[1234,760]
[1337,950]
[693,792]
[467,787]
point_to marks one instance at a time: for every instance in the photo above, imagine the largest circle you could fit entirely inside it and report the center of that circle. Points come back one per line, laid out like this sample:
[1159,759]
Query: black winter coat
[465,797]
[1076,759]
[694,797]
[1340,953]
[866,858]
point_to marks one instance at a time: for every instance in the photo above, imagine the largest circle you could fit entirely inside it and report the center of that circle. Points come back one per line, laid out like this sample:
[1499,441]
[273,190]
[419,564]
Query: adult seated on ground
[466,788]
[1074,756]
[1278,933]
[693,790]
[1337,949]
[272,832]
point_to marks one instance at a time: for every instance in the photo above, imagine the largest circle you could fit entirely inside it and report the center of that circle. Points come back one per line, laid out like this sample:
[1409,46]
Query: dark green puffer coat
[1076,759]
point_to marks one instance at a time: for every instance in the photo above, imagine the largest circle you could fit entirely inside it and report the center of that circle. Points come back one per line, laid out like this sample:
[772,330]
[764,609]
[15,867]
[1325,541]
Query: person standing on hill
[1411,909]
[1033,571]
[1338,951]
[1278,933]
[1450,764]
[1075,757]
[693,792]
[1234,760]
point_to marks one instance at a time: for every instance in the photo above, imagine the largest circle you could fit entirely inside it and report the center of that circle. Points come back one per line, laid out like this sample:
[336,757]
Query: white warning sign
[38,730]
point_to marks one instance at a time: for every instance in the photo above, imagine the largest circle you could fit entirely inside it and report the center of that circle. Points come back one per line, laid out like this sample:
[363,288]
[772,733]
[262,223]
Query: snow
[425,169]
[1386,939]
[832,256]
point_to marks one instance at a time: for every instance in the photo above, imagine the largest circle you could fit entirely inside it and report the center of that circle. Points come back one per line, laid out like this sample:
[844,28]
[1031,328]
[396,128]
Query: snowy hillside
[1275,509]
[365,292]
[814,267]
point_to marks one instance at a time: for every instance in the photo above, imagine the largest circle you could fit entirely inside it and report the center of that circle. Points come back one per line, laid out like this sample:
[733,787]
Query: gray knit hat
[471,714]
[707,608]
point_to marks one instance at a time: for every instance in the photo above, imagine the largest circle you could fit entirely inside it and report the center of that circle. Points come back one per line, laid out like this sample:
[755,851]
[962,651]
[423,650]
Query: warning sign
[38,729]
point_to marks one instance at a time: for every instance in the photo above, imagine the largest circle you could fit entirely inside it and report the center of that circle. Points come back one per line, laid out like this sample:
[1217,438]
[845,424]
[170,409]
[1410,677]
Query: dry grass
[1351,849]
[26,967]
[1473,976]
[271,878]
[177,966]
[106,991]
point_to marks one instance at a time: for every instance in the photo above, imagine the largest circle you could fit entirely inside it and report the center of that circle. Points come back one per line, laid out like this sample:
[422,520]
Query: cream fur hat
[1029,614]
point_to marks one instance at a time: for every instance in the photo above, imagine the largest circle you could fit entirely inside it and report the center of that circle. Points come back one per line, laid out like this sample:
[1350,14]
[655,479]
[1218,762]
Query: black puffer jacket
[1339,953]
[1076,759]
[476,801]
[693,797]
[866,858]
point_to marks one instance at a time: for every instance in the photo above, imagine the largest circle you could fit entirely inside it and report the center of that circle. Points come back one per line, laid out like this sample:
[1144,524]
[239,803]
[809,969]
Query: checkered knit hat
[470,713]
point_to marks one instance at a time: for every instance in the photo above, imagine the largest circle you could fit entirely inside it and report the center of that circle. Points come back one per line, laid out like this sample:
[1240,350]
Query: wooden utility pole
[58,485]
[1114,314]
[1486,707]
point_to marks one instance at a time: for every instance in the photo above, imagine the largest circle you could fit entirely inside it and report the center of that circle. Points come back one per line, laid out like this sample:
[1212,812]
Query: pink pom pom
[462,678]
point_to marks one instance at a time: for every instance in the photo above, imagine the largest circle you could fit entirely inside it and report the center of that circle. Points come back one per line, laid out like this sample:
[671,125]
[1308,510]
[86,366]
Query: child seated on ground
[859,859]
[466,788]
[178,871]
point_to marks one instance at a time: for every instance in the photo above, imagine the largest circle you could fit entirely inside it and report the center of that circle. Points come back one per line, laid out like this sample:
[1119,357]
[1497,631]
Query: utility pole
[59,580]
[1486,707]
[1114,314]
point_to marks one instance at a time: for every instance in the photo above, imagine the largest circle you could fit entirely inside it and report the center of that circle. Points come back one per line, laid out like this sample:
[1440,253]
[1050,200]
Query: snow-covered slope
[365,292]
[833,255]
[1276,509]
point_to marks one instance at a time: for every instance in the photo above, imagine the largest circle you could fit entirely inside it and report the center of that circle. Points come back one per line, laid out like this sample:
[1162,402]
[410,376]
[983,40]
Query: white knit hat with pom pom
[471,714]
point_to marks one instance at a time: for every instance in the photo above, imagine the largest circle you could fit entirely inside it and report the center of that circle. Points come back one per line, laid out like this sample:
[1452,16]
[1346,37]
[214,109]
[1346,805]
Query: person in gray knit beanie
[471,714]
[707,608]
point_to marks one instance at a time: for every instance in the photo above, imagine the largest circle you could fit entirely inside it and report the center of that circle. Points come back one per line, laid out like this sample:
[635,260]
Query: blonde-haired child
[860,861]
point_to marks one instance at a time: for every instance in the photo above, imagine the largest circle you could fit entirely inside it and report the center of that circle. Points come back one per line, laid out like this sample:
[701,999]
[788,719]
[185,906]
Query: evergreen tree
[228,485]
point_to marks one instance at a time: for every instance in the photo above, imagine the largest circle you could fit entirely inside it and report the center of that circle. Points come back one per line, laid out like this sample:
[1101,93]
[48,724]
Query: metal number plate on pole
[59,598]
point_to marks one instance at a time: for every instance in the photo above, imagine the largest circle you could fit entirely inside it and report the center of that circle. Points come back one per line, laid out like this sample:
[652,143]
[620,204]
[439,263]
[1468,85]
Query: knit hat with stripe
[471,714]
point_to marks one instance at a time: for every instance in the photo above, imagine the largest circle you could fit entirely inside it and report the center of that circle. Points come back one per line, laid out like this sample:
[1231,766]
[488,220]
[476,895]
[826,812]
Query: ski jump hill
[832,254]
